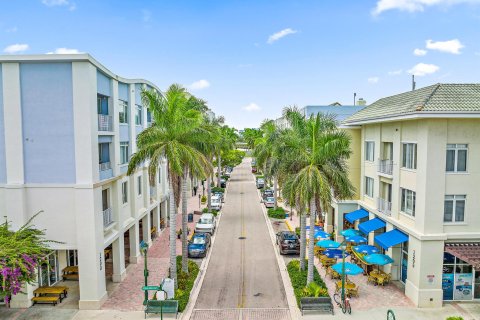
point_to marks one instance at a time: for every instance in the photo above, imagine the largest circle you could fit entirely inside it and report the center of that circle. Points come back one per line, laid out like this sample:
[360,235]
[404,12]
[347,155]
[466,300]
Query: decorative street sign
[151,288]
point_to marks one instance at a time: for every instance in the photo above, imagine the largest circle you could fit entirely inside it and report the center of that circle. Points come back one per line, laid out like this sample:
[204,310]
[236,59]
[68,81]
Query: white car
[269,202]
[216,203]
[206,224]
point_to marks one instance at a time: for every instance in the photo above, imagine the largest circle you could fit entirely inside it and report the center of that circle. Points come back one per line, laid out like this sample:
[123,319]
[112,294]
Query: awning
[356,215]
[468,252]
[391,238]
[370,225]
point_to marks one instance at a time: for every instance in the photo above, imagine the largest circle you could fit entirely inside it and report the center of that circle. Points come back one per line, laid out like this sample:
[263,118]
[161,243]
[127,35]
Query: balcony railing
[107,217]
[384,206]
[105,122]
[385,166]
[105,166]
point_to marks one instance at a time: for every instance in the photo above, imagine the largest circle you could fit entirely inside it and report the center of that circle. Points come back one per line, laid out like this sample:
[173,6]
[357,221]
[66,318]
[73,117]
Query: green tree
[226,142]
[174,135]
[250,135]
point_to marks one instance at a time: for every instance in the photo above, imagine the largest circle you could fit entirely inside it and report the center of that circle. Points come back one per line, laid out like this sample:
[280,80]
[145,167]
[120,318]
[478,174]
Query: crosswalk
[241,314]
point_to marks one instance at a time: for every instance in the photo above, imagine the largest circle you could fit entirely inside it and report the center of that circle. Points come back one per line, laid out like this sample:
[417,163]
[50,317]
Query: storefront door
[404,266]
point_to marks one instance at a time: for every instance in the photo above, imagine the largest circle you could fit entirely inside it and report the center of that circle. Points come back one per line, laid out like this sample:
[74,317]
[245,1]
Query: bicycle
[343,304]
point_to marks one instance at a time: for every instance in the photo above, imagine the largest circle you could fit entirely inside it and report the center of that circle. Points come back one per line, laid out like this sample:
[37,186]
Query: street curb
[288,225]
[200,277]
[291,300]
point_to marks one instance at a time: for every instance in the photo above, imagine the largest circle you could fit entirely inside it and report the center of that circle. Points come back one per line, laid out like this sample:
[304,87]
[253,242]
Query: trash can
[190,217]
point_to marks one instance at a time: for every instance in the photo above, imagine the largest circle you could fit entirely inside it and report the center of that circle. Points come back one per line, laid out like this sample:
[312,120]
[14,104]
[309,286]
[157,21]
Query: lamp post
[144,251]
[343,246]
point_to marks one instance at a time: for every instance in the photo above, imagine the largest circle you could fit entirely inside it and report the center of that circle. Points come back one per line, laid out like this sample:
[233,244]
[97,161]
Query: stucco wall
[3,169]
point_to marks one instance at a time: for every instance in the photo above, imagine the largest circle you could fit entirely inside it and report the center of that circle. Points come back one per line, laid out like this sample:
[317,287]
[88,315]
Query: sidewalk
[128,295]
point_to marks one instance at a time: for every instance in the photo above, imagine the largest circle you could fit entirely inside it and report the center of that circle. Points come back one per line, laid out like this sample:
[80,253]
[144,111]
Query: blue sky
[319,51]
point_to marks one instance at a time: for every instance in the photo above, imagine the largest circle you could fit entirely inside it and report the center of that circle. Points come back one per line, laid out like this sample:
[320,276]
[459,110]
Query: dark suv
[288,242]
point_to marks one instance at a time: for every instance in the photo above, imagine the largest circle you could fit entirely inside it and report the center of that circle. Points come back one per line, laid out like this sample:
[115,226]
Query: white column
[116,128]
[118,251]
[133,107]
[134,243]
[146,226]
[156,218]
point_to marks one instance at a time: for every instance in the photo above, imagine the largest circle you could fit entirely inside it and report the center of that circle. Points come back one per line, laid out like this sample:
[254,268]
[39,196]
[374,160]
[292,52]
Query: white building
[68,126]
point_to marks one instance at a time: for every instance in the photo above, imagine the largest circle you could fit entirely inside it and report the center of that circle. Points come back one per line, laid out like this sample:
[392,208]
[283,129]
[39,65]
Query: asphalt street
[243,271]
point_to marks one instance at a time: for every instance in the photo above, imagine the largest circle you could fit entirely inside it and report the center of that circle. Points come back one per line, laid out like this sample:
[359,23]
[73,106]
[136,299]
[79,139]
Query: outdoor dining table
[379,277]
[60,291]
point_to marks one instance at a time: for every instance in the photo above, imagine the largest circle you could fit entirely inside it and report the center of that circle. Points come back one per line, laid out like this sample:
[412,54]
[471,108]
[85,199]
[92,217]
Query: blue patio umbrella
[316,228]
[356,239]
[366,249]
[379,259]
[334,253]
[350,268]
[321,235]
[350,233]
[328,244]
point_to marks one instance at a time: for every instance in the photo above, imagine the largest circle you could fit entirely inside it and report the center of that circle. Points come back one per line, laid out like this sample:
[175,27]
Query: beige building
[418,160]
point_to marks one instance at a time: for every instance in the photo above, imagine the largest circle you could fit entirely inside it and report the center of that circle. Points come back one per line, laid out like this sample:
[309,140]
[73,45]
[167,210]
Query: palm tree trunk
[311,242]
[219,169]
[303,237]
[173,234]
[184,222]
[275,191]
[209,193]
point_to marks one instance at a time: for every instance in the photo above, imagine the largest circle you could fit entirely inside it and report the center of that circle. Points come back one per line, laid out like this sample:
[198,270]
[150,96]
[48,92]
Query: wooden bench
[46,299]
[321,304]
[70,273]
[161,306]
[59,291]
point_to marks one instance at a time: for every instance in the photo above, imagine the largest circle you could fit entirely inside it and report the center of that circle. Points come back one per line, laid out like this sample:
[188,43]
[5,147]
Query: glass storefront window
[48,273]
[448,258]
[72,258]
[457,279]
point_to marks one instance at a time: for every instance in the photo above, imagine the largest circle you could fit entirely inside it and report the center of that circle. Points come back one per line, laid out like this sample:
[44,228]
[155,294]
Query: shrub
[225,177]
[297,231]
[299,282]
[218,189]
[203,199]
[185,282]
[279,213]
[455,318]
[213,211]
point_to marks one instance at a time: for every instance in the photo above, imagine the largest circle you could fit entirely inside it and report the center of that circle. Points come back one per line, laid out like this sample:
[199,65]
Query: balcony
[385,167]
[107,217]
[105,122]
[106,171]
[384,206]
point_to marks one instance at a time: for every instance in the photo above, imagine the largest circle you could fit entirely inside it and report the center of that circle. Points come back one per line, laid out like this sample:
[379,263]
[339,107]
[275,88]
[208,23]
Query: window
[159,174]
[139,185]
[104,152]
[409,158]
[123,111]
[149,116]
[408,202]
[48,273]
[138,115]
[102,104]
[454,209]
[457,157]
[369,150]
[72,258]
[123,152]
[369,187]
[124,192]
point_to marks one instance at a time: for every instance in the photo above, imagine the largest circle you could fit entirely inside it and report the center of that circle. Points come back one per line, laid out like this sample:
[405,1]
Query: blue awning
[356,215]
[370,225]
[391,238]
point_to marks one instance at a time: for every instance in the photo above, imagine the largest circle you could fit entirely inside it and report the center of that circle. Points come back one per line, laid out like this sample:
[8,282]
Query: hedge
[213,211]
[279,213]
[299,280]
[185,282]
[218,189]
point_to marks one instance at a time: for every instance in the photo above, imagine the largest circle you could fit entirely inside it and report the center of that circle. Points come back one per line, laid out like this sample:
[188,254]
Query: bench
[322,304]
[161,306]
[70,276]
[46,299]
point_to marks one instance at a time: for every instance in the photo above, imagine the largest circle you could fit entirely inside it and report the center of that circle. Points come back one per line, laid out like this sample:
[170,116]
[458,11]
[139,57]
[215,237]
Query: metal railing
[107,217]
[105,122]
[105,166]
[384,206]
[385,166]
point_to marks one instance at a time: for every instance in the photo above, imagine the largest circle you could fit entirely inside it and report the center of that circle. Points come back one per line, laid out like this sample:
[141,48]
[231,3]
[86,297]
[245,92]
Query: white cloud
[422,69]
[395,72]
[58,3]
[419,52]
[11,30]
[251,107]
[414,5]
[16,48]
[199,85]
[450,46]
[146,15]
[64,51]
[373,79]
[277,36]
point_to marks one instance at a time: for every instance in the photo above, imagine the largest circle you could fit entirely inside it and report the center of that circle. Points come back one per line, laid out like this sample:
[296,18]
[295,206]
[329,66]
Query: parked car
[254,162]
[267,193]
[288,242]
[254,169]
[206,224]
[220,195]
[223,183]
[260,183]
[228,171]
[269,202]
[199,245]
[216,203]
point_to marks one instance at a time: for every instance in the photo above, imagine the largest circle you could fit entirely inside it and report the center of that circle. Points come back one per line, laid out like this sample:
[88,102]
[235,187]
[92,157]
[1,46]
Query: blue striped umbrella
[379,259]
[356,239]
[334,253]
[350,268]
[366,249]
[328,244]
[350,233]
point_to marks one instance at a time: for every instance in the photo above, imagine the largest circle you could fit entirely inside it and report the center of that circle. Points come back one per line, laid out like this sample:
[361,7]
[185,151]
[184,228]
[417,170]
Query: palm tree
[316,156]
[173,135]
[226,142]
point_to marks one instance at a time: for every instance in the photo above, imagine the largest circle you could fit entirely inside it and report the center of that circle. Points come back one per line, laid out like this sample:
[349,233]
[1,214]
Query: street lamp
[144,251]
[343,246]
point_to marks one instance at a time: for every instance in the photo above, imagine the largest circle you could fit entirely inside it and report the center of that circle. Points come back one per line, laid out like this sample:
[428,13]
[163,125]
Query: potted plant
[179,233]
[203,200]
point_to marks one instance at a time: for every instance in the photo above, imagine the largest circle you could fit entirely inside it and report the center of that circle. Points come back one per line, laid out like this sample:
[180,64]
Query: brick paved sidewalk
[128,296]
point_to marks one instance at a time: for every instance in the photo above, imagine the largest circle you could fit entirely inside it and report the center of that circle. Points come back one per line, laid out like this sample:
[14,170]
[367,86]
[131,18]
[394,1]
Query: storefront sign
[413,258]
[447,286]
[463,286]
[100,261]
[430,278]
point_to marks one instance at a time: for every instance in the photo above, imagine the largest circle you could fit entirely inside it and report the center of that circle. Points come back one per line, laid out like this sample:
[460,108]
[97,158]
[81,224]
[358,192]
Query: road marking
[289,227]
[243,235]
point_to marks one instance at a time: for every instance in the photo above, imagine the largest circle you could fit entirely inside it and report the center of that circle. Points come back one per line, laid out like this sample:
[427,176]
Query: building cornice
[414,116]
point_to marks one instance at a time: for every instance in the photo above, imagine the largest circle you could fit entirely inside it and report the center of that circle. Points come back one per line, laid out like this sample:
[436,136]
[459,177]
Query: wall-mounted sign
[101,266]
[430,278]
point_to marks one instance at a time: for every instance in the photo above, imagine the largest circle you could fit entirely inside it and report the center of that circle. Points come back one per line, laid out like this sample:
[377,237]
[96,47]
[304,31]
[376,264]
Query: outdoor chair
[353,292]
